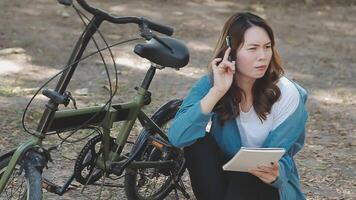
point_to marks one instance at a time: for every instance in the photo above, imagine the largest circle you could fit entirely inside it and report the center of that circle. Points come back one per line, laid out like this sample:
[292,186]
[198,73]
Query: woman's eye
[269,46]
[253,48]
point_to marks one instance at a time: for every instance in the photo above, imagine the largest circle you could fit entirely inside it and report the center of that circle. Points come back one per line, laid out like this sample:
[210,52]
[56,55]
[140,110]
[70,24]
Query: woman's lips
[261,67]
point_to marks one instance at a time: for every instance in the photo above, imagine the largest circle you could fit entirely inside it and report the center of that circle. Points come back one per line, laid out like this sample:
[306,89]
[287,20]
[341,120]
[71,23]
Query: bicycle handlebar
[124,20]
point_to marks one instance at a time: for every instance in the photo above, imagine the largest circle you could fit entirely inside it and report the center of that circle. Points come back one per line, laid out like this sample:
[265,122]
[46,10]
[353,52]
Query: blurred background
[316,40]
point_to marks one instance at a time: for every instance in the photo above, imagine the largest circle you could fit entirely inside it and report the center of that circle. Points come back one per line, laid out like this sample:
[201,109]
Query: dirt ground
[316,39]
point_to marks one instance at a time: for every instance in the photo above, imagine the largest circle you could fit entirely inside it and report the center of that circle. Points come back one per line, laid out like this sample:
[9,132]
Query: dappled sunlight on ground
[14,65]
[316,43]
[199,46]
[9,66]
[341,96]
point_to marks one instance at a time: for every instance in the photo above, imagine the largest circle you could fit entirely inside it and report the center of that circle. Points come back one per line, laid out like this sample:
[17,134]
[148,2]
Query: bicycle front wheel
[25,181]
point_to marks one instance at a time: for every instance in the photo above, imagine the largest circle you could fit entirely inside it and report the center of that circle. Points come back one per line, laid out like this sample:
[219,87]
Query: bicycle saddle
[176,55]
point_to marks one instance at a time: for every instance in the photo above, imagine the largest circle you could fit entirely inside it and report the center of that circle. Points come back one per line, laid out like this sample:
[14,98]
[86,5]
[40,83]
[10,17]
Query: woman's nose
[261,54]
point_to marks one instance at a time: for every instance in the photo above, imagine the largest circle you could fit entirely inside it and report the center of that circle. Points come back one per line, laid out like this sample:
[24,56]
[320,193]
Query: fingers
[265,168]
[267,174]
[260,174]
[227,53]
[275,166]
[232,67]
[227,66]
[265,177]
[269,170]
[224,59]
[215,62]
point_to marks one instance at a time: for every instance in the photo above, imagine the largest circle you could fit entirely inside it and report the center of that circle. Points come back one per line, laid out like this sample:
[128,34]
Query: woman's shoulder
[288,89]
[287,103]
[292,98]
[290,95]
[286,86]
[291,89]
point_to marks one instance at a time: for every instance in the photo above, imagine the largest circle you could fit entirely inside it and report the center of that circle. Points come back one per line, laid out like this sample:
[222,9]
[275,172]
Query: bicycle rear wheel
[151,183]
[25,181]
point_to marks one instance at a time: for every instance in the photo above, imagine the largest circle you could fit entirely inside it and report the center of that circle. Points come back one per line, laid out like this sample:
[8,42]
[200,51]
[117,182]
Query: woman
[248,102]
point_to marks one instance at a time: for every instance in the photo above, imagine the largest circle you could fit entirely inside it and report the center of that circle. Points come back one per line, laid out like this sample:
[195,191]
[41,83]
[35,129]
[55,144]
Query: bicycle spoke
[145,192]
[154,186]
[14,187]
[90,176]
[20,194]
[150,181]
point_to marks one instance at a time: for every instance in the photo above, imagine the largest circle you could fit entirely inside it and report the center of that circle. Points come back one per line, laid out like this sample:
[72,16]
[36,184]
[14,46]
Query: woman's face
[255,54]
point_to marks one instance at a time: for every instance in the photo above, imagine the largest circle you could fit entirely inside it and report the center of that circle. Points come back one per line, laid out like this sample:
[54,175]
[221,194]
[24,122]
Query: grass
[7,92]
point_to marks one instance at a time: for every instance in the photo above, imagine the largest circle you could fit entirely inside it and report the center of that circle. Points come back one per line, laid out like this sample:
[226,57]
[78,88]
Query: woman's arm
[208,102]
[290,134]
[195,112]
[190,121]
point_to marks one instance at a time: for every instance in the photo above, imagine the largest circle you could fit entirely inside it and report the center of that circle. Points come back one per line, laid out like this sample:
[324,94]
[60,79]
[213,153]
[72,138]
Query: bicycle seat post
[148,77]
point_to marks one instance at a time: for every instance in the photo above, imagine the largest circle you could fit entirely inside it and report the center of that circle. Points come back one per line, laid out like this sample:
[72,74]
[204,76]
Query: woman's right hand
[223,73]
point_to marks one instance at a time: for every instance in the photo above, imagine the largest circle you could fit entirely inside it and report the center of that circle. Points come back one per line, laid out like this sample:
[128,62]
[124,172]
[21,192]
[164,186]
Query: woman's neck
[245,83]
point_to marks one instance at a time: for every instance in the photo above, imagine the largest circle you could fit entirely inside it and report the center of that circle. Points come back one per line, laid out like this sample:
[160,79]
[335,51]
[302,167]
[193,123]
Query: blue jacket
[190,123]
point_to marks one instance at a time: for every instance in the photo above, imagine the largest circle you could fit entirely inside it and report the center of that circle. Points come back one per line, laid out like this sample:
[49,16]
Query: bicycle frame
[54,120]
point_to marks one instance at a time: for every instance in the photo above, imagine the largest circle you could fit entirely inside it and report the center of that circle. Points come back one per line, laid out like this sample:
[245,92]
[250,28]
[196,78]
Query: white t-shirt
[253,131]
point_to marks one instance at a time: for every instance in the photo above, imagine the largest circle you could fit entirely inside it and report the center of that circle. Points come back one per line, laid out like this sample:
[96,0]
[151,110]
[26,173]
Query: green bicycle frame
[54,120]
[52,106]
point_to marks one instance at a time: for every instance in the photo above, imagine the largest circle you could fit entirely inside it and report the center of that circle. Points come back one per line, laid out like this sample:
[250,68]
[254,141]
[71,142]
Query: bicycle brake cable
[60,72]
[112,94]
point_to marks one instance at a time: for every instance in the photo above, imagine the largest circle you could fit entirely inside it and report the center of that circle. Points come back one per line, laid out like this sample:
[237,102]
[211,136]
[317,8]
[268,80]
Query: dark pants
[210,182]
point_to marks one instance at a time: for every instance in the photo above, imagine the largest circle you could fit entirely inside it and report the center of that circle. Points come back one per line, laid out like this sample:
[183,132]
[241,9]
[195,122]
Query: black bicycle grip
[65,2]
[159,27]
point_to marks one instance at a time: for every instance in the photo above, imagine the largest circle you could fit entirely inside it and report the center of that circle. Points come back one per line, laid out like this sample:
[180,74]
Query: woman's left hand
[267,174]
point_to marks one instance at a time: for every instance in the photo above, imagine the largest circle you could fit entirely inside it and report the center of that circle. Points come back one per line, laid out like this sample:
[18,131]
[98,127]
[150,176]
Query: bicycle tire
[4,161]
[161,117]
[26,172]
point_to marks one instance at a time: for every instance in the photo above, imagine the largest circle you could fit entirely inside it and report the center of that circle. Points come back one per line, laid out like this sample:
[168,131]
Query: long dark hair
[265,91]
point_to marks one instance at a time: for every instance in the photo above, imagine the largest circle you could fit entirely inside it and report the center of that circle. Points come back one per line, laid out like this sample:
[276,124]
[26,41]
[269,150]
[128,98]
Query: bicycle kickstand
[54,188]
